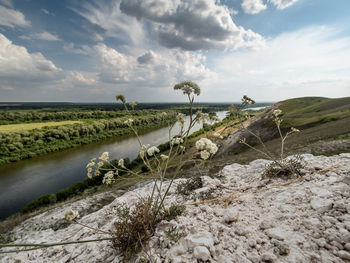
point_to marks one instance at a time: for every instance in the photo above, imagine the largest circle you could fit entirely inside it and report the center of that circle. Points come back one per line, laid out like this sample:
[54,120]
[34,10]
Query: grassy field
[311,111]
[32,126]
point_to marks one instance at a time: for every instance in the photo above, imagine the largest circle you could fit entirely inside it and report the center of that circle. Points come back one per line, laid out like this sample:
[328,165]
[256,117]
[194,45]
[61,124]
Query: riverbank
[19,145]
[65,171]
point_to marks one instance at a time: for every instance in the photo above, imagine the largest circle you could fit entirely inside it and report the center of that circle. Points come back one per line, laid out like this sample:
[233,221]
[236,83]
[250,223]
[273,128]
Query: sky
[89,51]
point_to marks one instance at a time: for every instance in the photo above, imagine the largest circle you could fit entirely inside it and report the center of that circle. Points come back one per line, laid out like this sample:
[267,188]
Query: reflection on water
[26,180]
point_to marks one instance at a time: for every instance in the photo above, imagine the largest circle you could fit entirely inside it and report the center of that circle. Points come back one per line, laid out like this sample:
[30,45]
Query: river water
[26,180]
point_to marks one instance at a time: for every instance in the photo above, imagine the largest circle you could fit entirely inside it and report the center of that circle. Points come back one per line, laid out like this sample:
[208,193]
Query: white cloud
[253,6]
[106,20]
[47,36]
[282,4]
[18,65]
[192,24]
[149,69]
[309,62]
[11,18]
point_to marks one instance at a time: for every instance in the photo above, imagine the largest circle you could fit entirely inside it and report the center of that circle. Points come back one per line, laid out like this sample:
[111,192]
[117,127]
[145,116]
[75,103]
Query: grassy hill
[311,111]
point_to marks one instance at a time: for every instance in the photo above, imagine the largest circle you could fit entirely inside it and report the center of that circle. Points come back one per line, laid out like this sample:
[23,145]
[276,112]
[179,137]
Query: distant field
[31,126]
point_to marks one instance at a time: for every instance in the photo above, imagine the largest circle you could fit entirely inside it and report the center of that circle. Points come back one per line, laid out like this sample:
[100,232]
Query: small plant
[186,188]
[173,234]
[173,211]
[280,167]
[134,227]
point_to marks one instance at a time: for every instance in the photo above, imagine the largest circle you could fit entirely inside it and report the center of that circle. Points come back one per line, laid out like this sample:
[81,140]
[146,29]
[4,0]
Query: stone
[276,233]
[347,246]
[230,216]
[268,257]
[321,205]
[202,238]
[201,253]
[344,254]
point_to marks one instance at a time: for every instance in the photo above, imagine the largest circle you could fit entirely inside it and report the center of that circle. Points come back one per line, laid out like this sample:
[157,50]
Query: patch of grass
[291,167]
[187,187]
[174,234]
[32,126]
[134,227]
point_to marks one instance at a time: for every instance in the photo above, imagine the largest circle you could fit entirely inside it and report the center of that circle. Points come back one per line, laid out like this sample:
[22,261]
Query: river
[26,180]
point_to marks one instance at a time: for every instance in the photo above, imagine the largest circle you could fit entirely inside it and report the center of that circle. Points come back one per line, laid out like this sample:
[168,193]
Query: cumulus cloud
[150,69]
[309,62]
[192,25]
[17,64]
[12,18]
[282,4]
[253,6]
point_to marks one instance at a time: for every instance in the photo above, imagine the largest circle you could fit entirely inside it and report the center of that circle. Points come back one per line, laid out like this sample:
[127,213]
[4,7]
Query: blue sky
[88,51]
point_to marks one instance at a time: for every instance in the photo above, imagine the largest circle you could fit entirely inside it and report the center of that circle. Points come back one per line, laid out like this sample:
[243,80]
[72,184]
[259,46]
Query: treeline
[13,117]
[16,146]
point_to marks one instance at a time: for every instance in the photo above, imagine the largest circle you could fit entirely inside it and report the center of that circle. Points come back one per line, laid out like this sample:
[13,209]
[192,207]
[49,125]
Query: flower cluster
[104,157]
[143,150]
[181,118]
[188,87]
[203,117]
[121,98]
[177,140]
[206,148]
[71,215]
[152,151]
[121,163]
[277,113]
[108,178]
[247,100]
[164,157]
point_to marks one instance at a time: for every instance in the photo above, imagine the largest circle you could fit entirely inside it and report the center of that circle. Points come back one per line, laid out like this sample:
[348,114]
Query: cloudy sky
[88,51]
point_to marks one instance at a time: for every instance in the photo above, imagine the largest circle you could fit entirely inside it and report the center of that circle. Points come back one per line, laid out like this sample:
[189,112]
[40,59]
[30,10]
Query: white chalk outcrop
[265,221]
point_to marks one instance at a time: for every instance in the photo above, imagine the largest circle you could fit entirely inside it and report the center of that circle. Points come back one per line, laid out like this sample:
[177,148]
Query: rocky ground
[250,220]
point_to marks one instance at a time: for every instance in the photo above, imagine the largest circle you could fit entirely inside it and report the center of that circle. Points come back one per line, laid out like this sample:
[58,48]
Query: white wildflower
[71,215]
[182,148]
[104,157]
[181,118]
[91,163]
[89,175]
[142,153]
[164,157]
[207,146]
[205,155]
[97,173]
[121,163]
[152,151]
[164,114]
[294,130]
[177,140]
[277,112]
[108,178]
[100,164]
